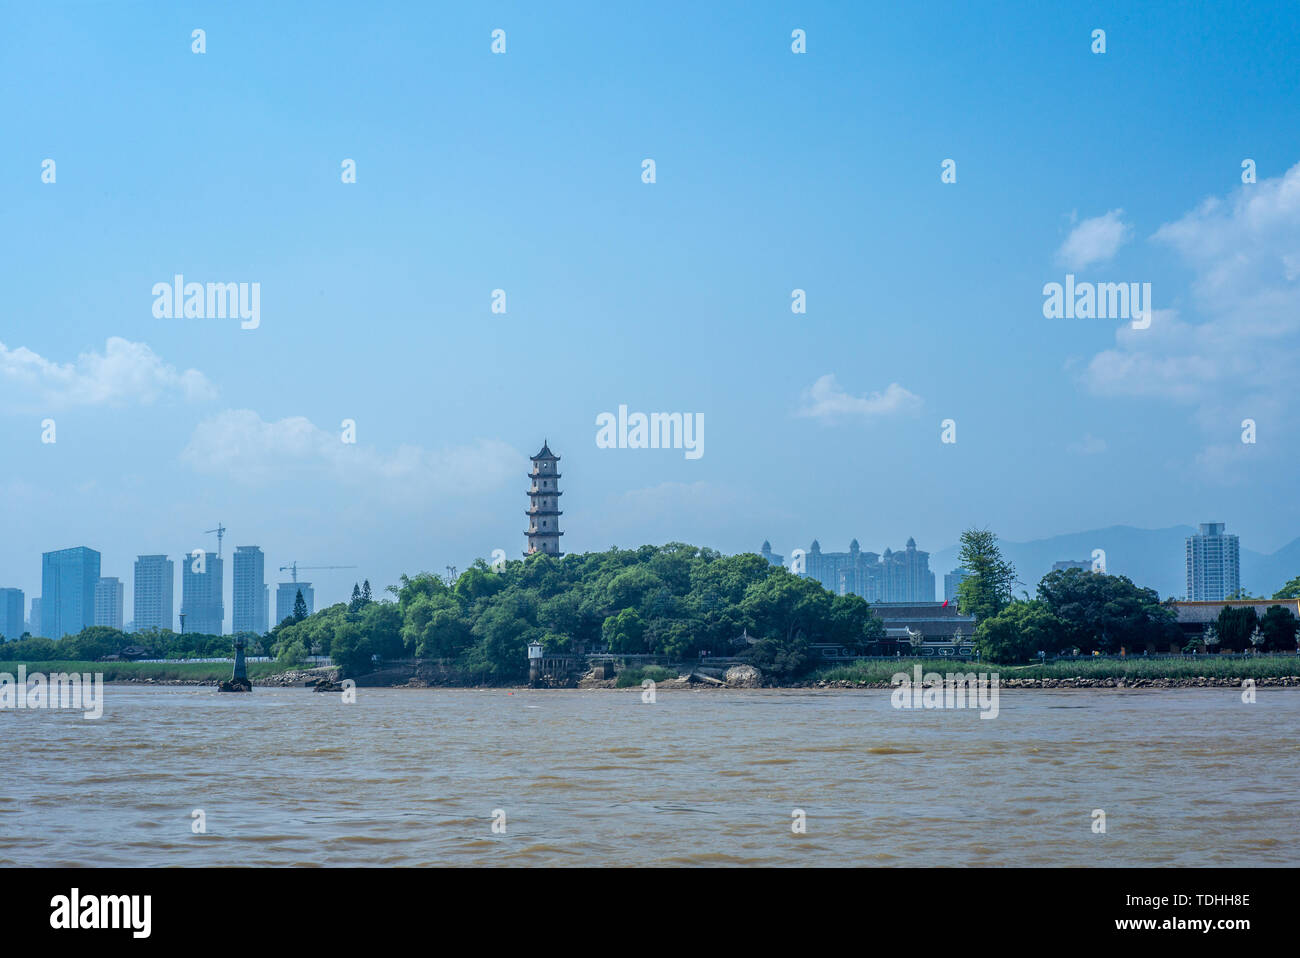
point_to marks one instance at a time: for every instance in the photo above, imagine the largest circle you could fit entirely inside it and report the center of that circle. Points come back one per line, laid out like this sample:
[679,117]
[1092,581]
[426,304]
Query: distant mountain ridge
[1150,557]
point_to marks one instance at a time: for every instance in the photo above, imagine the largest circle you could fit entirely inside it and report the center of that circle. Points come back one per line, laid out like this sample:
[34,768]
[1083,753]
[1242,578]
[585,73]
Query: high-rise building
[892,577]
[285,595]
[108,602]
[855,571]
[1213,564]
[907,576]
[202,582]
[12,606]
[951,581]
[155,608]
[771,556]
[35,625]
[1083,564]
[544,504]
[248,612]
[266,608]
[68,580]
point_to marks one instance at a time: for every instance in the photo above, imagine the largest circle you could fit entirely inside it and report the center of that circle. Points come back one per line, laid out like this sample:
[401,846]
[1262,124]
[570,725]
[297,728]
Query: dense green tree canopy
[1105,613]
[675,600]
[1279,625]
[1019,632]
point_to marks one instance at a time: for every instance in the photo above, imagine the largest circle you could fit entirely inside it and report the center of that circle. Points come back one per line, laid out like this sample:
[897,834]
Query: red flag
[945,604]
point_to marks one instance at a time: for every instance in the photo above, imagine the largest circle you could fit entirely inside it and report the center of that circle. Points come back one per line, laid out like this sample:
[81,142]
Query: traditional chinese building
[544,505]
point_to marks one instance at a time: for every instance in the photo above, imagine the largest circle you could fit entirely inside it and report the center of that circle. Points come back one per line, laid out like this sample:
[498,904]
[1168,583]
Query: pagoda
[544,505]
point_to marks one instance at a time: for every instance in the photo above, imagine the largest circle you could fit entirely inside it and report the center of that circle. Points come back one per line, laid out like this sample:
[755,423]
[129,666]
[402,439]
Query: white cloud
[1094,240]
[825,399]
[238,444]
[124,373]
[1240,359]
[1165,361]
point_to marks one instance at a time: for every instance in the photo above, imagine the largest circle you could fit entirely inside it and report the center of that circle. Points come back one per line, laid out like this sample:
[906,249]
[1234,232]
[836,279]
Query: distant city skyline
[382,410]
[154,578]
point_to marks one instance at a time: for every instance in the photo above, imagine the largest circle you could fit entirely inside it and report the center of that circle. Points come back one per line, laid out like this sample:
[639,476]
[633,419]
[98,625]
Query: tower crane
[293,567]
[220,530]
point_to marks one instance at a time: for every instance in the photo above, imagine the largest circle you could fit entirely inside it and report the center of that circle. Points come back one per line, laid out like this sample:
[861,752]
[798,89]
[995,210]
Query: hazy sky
[522,171]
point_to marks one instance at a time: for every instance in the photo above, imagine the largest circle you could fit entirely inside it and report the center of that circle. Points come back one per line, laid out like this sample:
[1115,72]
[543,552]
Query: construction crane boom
[220,530]
[293,567]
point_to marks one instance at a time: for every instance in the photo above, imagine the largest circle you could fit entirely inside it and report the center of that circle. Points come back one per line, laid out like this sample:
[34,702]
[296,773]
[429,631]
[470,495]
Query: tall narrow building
[248,613]
[907,576]
[155,604]
[544,505]
[1213,564]
[12,620]
[108,602]
[68,580]
[951,582]
[201,594]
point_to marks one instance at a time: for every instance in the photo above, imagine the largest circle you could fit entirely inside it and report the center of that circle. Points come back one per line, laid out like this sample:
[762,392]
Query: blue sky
[522,172]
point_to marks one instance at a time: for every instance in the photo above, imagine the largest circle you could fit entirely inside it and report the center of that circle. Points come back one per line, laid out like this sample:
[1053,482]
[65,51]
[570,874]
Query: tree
[1289,591]
[624,633]
[788,607]
[1105,613]
[1278,626]
[1210,637]
[1019,632]
[1234,627]
[351,648]
[986,590]
[382,623]
[779,658]
[299,607]
[355,603]
[366,598]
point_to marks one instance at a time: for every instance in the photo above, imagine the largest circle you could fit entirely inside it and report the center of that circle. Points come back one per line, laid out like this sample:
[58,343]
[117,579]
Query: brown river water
[1190,777]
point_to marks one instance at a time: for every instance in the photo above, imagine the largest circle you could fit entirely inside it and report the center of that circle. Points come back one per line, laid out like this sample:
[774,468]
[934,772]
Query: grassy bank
[158,671]
[1210,666]
[635,676]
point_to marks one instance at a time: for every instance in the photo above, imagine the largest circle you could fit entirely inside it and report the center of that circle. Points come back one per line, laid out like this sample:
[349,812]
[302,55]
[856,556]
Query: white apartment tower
[1213,564]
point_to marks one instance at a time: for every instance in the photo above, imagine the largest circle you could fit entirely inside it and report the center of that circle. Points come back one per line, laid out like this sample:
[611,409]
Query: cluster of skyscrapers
[902,576]
[1213,569]
[74,595]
